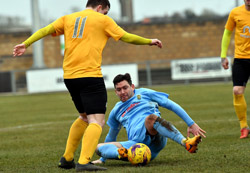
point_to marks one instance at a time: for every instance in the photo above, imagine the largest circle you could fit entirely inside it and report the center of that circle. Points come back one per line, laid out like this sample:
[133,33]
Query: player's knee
[150,120]
[103,123]
[99,121]
[149,124]
[83,117]
[238,90]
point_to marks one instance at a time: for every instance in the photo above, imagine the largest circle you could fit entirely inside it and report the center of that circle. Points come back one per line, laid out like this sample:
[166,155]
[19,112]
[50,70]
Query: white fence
[146,73]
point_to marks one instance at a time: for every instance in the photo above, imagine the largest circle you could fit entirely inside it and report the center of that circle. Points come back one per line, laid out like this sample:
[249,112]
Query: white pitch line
[31,125]
[61,122]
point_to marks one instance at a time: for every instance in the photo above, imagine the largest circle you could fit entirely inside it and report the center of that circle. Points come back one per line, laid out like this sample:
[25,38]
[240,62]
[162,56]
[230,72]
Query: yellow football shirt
[239,19]
[86,34]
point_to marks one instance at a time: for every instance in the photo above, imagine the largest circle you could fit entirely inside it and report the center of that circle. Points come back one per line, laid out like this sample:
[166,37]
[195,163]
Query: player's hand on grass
[195,130]
[97,162]
[156,42]
[224,63]
[19,50]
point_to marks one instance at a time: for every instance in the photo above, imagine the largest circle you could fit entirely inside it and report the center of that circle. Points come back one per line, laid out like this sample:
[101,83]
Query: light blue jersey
[132,113]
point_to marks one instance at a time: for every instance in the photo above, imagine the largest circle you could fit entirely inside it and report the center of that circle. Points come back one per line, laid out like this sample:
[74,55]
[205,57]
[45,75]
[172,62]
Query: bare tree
[176,16]
[189,14]
[207,13]
[11,21]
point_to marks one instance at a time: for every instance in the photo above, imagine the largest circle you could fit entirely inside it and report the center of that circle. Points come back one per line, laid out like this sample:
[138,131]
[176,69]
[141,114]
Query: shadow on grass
[154,163]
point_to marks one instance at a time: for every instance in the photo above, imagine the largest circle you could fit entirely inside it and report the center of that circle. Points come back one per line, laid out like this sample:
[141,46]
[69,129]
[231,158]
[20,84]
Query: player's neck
[90,8]
[247,7]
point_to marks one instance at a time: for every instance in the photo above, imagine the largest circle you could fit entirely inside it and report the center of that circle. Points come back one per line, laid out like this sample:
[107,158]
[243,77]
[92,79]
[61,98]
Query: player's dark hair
[95,3]
[121,77]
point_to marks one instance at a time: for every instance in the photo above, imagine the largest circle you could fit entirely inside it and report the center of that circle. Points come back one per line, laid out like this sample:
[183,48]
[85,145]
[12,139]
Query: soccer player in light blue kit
[139,114]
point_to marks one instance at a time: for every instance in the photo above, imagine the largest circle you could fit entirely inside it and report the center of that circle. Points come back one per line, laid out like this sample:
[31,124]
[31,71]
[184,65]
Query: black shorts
[241,71]
[88,94]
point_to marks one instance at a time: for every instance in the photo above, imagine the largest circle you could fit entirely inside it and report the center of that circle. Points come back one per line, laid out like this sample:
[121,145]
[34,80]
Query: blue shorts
[156,143]
[138,134]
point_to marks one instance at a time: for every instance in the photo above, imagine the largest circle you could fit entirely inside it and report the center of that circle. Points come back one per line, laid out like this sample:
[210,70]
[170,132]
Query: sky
[53,9]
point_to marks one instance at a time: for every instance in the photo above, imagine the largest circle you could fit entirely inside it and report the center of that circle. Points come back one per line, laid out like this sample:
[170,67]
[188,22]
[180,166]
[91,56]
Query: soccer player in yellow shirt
[239,19]
[86,33]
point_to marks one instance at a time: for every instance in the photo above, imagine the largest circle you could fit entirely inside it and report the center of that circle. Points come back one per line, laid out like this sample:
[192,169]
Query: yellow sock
[75,135]
[89,142]
[240,107]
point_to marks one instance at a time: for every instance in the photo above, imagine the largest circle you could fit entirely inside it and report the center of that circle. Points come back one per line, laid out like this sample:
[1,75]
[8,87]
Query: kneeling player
[138,113]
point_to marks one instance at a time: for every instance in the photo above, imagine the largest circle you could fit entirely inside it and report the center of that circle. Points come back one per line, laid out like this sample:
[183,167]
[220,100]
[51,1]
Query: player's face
[124,91]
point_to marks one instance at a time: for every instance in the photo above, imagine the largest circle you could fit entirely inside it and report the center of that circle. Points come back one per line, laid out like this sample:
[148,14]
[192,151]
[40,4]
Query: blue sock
[108,151]
[175,135]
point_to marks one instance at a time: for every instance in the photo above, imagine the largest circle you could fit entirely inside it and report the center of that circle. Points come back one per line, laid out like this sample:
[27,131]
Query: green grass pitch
[34,129]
